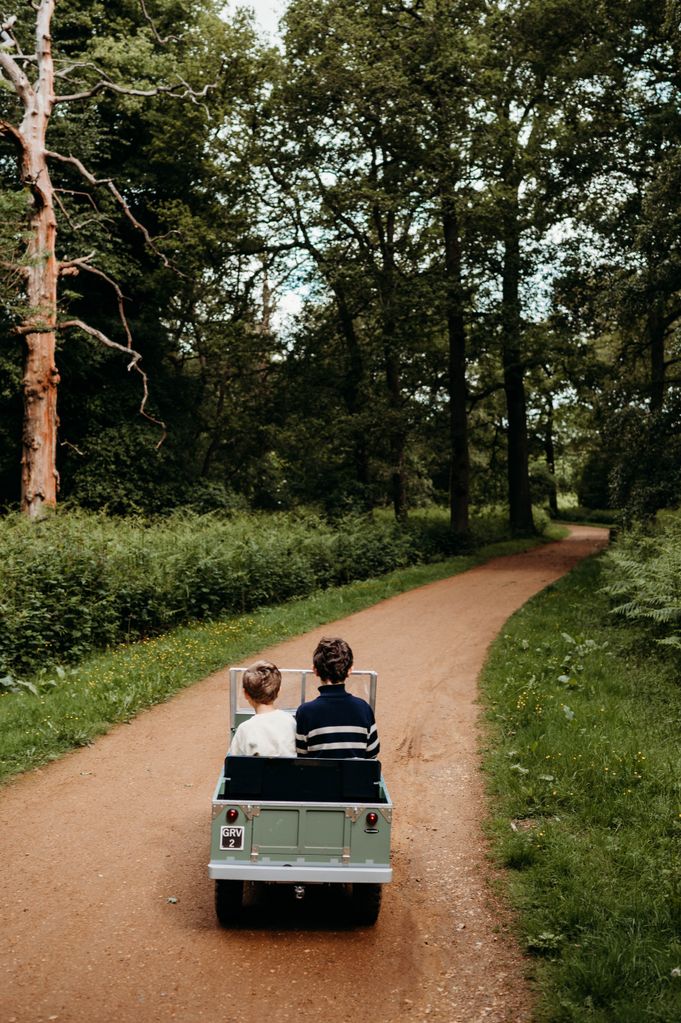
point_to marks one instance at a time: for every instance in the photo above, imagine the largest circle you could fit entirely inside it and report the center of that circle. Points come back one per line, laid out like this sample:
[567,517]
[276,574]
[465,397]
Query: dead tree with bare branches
[33,79]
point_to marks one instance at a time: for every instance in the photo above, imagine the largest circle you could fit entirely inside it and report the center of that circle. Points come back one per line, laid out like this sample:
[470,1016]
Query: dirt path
[94,846]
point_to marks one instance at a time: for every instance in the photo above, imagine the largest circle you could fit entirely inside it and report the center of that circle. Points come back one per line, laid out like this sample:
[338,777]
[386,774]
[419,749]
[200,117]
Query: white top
[272,734]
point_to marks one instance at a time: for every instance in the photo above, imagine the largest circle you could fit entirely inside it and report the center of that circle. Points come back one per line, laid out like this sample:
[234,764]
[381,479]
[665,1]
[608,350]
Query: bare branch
[14,269]
[181,90]
[91,220]
[94,332]
[83,263]
[34,328]
[6,33]
[10,41]
[73,65]
[86,195]
[99,219]
[21,84]
[133,364]
[157,37]
[68,444]
[9,129]
[62,207]
[71,267]
[108,183]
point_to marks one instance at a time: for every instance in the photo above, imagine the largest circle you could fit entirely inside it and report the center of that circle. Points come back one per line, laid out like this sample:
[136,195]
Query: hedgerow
[76,581]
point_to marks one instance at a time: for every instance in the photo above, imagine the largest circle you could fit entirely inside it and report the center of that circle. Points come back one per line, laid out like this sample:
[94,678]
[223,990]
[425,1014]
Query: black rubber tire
[365,904]
[229,896]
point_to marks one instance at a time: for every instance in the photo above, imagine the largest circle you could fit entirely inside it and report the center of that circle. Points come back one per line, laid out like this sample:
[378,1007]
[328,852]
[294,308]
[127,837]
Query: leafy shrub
[644,579]
[646,450]
[606,516]
[80,581]
[593,488]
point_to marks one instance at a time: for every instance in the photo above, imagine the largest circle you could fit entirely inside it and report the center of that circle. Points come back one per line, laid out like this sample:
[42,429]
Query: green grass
[74,705]
[585,777]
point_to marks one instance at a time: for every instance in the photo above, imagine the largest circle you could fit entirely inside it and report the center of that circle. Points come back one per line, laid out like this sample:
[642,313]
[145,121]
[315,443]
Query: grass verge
[70,707]
[585,774]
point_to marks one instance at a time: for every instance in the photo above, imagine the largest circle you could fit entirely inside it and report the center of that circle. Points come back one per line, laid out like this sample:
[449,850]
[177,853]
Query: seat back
[302,779]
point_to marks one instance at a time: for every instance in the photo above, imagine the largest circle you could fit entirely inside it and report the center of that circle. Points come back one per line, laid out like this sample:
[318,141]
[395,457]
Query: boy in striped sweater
[337,725]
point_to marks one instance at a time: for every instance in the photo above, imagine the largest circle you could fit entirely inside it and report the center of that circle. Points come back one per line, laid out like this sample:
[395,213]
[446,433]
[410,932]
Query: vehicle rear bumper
[299,873]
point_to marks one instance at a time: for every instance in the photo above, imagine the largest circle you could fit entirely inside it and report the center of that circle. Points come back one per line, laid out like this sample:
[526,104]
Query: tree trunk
[459,464]
[656,337]
[519,500]
[39,478]
[550,454]
[352,386]
[396,433]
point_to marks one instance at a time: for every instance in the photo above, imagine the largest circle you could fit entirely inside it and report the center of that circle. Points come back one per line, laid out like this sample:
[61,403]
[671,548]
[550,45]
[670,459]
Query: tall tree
[438,55]
[351,117]
[538,63]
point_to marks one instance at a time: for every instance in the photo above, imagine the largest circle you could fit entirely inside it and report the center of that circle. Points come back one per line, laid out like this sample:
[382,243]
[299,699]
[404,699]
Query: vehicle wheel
[228,901]
[365,904]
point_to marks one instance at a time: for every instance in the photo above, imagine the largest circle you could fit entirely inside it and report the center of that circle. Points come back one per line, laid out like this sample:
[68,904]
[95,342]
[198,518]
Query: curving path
[94,846]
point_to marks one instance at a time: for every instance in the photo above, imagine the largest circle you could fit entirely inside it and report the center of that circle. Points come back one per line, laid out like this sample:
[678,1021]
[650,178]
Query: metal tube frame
[236,673]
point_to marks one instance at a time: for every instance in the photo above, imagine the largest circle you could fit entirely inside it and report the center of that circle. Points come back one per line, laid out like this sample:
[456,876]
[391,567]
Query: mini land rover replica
[300,821]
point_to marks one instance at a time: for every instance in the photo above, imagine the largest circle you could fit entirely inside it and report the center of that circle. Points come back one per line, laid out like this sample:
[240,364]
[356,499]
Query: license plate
[231,838]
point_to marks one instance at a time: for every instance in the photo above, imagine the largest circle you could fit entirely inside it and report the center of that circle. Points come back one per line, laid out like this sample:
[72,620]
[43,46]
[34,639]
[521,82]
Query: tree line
[475,202]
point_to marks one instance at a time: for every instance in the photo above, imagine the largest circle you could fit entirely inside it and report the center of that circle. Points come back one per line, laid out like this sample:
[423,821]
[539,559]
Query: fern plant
[643,579]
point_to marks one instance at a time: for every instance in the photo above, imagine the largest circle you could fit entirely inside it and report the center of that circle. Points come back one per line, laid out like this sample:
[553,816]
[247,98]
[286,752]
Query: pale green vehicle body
[301,842]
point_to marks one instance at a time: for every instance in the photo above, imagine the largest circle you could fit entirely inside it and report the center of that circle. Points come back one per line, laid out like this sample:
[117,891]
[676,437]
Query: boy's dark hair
[262,681]
[332,659]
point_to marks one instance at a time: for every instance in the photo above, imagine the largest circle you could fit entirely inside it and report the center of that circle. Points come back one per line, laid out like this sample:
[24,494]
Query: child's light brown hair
[262,681]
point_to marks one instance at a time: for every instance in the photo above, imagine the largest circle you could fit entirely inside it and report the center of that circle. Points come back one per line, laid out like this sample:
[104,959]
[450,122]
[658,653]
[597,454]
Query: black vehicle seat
[302,779]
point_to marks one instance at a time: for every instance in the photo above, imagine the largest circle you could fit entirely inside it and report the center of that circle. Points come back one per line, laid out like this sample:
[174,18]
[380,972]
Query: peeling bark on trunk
[39,478]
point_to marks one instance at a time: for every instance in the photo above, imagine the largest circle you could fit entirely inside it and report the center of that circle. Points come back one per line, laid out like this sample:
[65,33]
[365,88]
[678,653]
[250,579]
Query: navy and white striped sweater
[337,725]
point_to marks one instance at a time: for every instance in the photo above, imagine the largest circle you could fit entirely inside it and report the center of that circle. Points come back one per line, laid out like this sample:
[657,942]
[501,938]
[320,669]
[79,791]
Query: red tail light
[232,815]
[372,819]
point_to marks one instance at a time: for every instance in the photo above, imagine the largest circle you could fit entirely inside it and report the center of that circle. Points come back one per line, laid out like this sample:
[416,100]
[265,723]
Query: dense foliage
[475,204]
[77,582]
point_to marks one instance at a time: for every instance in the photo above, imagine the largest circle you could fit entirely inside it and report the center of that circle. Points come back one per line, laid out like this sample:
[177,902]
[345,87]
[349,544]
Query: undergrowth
[58,709]
[643,579]
[78,582]
[585,775]
[588,516]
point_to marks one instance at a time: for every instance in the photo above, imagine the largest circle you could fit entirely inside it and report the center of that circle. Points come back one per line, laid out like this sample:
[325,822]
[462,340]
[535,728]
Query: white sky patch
[286,307]
[267,12]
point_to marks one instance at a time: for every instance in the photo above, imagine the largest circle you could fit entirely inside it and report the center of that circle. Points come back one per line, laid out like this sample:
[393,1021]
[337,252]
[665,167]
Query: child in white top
[270,732]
